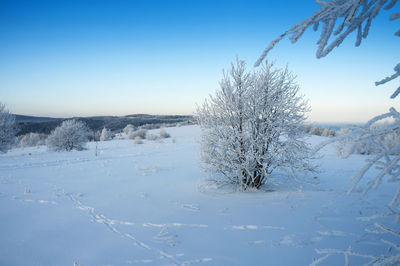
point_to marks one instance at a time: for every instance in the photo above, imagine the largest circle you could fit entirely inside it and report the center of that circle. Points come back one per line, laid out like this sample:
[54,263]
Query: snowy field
[149,204]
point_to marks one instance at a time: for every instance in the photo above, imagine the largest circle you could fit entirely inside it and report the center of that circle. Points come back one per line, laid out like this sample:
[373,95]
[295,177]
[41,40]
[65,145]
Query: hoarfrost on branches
[252,126]
[128,129]
[339,18]
[7,128]
[71,134]
[138,134]
[164,134]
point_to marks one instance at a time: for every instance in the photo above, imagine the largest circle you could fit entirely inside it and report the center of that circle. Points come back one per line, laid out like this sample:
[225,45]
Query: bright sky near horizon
[84,58]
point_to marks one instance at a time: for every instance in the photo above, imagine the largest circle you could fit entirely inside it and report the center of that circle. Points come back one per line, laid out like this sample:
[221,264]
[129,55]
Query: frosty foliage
[29,140]
[128,129]
[7,128]
[164,134]
[71,134]
[252,126]
[339,18]
[105,134]
[138,134]
[383,139]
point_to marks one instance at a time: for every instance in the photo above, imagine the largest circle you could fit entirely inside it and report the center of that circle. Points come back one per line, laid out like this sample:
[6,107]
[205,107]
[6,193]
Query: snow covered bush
[164,134]
[140,133]
[71,134]
[252,126]
[128,129]
[29,140]
[7,129]
[105,134]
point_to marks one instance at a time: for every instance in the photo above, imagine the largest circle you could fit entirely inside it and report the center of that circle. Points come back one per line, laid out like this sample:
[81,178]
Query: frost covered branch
[346,253]
[377,138]
[391,213]
[389,259]
[339,18]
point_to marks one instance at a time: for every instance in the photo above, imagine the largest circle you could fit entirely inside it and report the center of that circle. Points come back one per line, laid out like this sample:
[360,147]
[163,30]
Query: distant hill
[35,119]
[45,125]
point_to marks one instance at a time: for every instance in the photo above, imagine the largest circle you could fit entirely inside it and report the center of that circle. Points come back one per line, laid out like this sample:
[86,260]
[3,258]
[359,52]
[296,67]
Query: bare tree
[252,126]
[7,128]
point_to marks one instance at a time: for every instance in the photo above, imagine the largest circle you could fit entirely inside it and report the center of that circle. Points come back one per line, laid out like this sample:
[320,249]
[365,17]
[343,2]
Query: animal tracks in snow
[163,237]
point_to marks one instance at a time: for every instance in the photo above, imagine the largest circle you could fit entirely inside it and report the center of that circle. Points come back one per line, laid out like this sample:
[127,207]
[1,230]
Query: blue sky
[83,58]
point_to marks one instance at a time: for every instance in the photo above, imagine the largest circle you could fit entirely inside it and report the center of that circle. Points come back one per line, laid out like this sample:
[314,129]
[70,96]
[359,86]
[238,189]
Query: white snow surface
[149,204]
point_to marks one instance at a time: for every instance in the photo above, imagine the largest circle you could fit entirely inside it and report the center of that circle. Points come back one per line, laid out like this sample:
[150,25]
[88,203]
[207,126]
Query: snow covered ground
[148,204]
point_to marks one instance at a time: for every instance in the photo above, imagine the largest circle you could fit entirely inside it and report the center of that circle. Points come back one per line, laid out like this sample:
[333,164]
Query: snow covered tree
[71,134]
[7,128]
[252,126]
[105,134]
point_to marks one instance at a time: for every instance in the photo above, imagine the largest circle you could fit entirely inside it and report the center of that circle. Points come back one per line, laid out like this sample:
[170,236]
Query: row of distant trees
[70,135]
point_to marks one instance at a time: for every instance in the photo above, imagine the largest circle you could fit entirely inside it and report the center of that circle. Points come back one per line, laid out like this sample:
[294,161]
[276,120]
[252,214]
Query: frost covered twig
[339,18]
[389,259]
[346,253]
[391,213]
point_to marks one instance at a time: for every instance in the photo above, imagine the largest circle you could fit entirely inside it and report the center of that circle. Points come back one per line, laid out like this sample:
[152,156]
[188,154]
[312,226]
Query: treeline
[44,125]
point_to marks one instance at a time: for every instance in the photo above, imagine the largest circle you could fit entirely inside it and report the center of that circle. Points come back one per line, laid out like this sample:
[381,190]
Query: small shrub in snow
[164,134]
[151,137]
[105,134]
[140,133]
[29,140]
[7,129]
[128,129]
[71,134]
